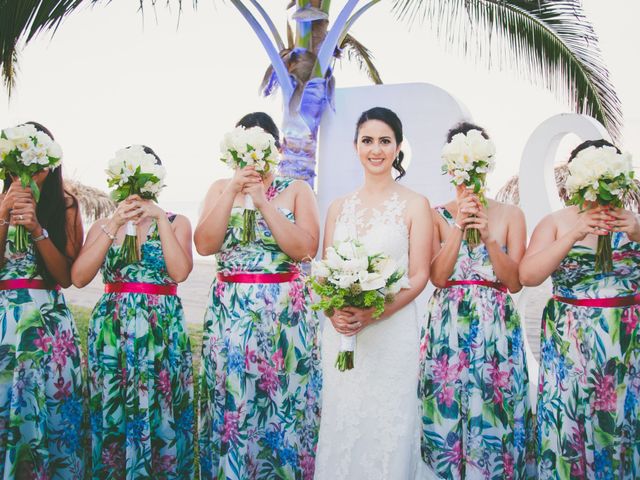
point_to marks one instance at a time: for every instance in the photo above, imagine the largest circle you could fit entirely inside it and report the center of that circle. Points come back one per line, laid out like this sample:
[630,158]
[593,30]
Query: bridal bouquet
[600,175]
[134,172]
[24,152]
[352,277]
[468,157]
[244,147]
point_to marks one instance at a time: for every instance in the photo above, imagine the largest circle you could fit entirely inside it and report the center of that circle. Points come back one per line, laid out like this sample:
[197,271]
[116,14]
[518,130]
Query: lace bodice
[380,230]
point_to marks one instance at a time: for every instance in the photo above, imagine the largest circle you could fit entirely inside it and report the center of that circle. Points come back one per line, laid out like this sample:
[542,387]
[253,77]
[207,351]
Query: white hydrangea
[599,164]
[468,154]
[126,163]
[251,146]
[32,147]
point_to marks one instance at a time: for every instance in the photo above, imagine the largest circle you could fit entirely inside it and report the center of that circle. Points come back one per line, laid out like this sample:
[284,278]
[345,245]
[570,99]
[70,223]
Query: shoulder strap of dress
[278,185]
[445,214]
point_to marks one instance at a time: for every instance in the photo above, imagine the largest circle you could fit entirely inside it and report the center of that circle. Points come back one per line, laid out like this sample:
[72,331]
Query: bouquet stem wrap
[604,255]
[346,353]
[129,250]
[249,220]
[22,239]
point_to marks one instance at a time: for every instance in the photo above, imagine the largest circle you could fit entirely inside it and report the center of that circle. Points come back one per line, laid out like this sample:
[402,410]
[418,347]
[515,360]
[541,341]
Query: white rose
[319,269]
[6,146]
[372,281]
[20,132]
[334,261]
[54,150]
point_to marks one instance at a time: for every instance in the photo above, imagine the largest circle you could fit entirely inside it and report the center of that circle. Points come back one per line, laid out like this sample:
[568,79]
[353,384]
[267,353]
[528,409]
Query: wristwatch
[42,236]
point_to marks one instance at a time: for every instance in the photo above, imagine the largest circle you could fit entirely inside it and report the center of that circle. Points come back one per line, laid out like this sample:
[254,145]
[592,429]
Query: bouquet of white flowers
[468,157]
[600,175]
[352,277]
[24,152]
[134,172]
[244,147]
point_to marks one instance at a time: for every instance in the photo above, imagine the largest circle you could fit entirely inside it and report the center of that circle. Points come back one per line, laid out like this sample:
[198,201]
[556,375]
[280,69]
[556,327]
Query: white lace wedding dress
[370,415]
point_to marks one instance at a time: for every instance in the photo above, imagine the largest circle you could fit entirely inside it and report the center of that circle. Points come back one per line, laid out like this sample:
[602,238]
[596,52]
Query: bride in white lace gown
[370,422]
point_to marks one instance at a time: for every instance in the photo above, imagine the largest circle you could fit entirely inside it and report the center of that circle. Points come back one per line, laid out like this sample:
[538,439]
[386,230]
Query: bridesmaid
[588,412]
[476,416]
[261,374]
[140,372]
[42,410]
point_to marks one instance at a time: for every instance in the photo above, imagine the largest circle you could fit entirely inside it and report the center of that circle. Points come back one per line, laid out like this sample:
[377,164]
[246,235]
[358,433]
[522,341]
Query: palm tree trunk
[298,149]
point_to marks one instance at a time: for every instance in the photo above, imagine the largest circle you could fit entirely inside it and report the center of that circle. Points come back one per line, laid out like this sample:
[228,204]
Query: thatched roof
[510,192]
[94,203]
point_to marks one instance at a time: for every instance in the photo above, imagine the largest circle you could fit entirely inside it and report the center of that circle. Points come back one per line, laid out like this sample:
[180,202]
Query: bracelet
[111,236]
[457,225]
[4,222]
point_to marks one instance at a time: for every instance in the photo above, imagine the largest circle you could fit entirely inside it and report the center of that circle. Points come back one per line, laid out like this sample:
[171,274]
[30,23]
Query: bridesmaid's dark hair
[393,121]
[591,143]
[464,127]
[51,210]
[262,120]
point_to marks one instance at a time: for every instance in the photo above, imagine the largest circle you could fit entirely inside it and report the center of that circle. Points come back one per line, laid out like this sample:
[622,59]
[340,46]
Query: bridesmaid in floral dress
[476,415]
[43,432]
[261,380]
[588,411]
[140,371]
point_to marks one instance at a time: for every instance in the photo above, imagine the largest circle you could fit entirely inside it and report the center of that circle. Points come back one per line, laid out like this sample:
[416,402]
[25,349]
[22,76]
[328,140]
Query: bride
[370,421]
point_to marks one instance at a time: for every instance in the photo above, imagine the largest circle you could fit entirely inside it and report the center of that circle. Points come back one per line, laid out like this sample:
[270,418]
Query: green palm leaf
[24,19]
[357,52]
[548,41]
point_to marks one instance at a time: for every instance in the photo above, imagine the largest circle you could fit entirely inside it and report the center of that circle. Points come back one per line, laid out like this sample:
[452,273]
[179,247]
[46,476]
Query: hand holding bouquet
[468,157]
[243,147]
[134,172]
[24,152]
[602,176]
[352,277]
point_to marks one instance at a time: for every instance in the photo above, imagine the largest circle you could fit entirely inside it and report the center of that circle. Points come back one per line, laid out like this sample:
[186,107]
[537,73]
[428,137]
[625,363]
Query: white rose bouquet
[244,147]
[602,176]
[134,172]
[352,277]
[468,157]
[24,152]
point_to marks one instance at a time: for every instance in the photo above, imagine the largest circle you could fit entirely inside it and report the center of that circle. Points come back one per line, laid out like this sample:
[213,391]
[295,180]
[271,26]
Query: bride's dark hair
[391,119]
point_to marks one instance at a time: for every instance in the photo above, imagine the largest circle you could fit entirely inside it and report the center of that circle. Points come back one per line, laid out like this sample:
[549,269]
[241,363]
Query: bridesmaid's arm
[99,239]
[505,265]
[214,220]
[299,240]
[56,262]
[175,239]
[445,255]
[4,227]
[176,246]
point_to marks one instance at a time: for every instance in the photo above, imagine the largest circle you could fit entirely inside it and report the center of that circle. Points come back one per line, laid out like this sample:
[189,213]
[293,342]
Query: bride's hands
[357,319]
[344,322]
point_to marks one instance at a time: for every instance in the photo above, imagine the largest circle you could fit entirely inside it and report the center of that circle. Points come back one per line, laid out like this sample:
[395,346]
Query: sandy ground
[195,293]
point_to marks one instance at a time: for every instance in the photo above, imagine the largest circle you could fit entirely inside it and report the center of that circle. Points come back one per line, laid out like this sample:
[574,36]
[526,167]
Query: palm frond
[551,42]
[22,20]
[362,55]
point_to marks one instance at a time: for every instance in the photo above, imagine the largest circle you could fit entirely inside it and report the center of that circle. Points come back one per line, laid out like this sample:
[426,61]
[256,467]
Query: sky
[111,77]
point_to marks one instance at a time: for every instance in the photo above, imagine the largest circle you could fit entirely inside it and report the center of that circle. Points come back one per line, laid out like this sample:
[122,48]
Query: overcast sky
[110,78]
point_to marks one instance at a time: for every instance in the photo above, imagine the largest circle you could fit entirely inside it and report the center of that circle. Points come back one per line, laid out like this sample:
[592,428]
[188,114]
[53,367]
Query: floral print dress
[588,410]
[261,379]
[141,378]
[43,432]
[476,412]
